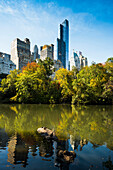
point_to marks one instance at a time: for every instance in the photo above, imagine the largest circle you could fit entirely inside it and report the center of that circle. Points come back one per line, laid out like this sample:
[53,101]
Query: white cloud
[6,8]
[51,4]
[40,24]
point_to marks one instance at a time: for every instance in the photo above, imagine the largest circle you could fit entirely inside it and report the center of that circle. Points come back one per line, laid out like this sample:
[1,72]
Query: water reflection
[3,139]
[77,129]
[17,151]
[45,148]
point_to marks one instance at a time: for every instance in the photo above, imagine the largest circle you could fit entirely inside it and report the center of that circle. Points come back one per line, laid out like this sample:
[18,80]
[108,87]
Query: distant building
[47,51]
[69,65]
[57,64]
[63,44]
[35,52]
[61,51]
[83,60]
[6,65]
[66,39]
[78,61]
[74,61]
[20,52]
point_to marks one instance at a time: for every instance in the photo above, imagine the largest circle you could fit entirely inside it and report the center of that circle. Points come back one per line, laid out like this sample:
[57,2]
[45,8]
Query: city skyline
[91,25]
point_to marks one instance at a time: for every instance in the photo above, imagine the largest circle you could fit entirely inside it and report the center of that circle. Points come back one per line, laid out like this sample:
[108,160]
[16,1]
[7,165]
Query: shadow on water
[88,131]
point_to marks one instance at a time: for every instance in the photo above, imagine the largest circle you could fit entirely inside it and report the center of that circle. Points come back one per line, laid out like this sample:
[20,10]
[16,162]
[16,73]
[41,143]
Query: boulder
[66,156]
[47,133]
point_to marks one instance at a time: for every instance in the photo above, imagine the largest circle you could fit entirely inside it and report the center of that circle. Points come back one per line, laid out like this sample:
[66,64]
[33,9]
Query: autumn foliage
[90,85]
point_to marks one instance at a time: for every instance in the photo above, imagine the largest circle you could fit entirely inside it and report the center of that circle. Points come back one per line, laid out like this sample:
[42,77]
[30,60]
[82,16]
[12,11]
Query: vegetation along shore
[35,84]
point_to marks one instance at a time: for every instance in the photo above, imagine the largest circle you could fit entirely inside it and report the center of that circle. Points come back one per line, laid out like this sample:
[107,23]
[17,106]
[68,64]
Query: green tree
[65,78]
[108,86]
[31,84]
[34,86]
[48,65]
[110,60]
[8,88]
[88,86]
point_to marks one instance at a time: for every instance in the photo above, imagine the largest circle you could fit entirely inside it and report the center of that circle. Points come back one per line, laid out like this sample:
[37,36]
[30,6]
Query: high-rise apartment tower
[63,43]
[47,51]
[20,52]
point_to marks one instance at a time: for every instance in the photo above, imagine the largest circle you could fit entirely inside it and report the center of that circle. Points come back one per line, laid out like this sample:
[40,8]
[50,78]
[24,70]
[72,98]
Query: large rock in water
[66,156]
[46,132]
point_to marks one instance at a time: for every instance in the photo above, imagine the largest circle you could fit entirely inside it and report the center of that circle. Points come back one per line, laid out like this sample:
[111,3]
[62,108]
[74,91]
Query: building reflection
[75,143]
[45,148]
[17,151]
[3,139]
[59,162]
[34,150]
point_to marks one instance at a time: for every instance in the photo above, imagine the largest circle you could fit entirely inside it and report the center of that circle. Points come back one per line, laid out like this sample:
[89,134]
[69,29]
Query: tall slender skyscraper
[63,43]
[66,39]
[35,52]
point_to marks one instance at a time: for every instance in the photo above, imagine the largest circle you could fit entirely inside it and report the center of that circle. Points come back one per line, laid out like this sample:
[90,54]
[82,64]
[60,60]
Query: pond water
[88,131]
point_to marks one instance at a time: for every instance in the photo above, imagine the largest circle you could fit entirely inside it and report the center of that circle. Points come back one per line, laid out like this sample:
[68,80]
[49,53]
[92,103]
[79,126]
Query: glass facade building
[63,44]
[66,39]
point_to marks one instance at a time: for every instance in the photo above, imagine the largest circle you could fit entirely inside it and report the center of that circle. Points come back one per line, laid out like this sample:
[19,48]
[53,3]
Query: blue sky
[91,24]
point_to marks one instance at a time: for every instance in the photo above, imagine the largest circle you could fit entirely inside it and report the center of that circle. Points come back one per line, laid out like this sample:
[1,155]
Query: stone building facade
[79,61]
[47,51]
[20,52]
[6,65]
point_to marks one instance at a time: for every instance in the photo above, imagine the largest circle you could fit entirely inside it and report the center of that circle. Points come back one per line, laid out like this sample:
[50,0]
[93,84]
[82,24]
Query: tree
[65,78]
[88,86]
[8,87]
[108,86]
[48,65]
[34,86]
[74,71]
[30,84]
[31,68]
[110,60]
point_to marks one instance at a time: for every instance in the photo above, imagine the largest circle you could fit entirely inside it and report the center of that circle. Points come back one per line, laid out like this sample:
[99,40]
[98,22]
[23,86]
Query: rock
[44,131]
[66,156]
[73,153]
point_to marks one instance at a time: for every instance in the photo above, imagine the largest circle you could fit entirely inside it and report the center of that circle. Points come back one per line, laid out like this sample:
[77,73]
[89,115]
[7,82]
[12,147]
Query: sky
[90,23]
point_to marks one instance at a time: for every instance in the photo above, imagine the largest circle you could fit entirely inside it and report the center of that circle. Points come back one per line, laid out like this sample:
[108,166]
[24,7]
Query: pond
[87,131]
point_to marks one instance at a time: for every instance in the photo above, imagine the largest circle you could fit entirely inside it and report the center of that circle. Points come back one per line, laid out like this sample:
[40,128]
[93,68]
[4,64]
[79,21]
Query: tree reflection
[76,125]
[108,164]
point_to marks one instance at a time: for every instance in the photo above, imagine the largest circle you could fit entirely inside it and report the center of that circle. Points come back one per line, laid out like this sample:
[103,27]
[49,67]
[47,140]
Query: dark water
[88,131]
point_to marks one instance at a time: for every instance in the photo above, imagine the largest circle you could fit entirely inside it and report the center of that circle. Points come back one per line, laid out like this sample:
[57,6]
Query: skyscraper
[66,39]
[35,52]
[6,65]
[47,51]
[79,61]
[63,43]
[61,51]
[20,52]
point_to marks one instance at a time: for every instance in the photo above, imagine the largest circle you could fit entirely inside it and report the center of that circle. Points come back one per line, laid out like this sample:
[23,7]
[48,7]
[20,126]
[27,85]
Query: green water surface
[88,131]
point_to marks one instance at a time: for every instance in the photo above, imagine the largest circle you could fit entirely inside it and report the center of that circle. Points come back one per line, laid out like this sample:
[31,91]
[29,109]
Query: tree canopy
[90,85]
